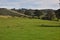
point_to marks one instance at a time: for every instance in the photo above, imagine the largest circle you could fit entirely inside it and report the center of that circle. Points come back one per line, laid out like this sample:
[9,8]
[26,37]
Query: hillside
[45,14]
[4,11]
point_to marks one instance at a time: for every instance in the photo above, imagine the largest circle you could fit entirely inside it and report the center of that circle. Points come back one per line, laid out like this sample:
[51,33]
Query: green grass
[28,29]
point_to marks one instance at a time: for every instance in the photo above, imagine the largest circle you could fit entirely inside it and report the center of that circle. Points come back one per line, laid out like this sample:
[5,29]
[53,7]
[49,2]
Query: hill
[4,11]
[45,14]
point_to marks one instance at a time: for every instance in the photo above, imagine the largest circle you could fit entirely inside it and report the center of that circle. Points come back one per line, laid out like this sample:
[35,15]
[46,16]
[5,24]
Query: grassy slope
[28,29]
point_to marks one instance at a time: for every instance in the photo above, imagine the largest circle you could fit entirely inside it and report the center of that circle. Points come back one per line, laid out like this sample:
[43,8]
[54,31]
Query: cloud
[34,4]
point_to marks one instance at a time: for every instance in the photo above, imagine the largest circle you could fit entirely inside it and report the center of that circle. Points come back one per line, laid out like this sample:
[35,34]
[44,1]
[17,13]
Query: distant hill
[4,11]
[48,14]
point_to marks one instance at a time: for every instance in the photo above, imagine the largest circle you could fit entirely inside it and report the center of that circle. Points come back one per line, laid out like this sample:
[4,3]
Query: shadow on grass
[46,25]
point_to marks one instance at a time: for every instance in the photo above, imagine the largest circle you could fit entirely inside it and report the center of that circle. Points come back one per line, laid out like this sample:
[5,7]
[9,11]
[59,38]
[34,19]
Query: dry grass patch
[1,16]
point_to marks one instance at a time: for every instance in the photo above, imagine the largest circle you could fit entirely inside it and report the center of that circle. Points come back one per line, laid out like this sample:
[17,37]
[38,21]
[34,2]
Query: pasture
[28,29]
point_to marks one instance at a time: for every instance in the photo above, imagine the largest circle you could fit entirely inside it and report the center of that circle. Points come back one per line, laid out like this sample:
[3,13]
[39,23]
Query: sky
[30,4]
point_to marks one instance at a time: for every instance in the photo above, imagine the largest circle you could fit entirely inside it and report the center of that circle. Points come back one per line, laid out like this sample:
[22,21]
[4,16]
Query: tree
[37,13]
[58,14]
[50,15]
[27,12]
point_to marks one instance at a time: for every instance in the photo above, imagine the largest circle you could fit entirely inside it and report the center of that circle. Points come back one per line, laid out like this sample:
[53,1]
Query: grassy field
[28,29]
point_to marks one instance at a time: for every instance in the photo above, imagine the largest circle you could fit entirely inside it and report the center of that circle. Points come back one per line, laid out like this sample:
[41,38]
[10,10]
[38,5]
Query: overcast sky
[33,4]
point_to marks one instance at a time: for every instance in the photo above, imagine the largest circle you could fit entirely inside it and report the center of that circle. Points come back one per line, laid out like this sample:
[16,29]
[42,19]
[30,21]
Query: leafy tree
[58,14]
[37,13]
[50,15]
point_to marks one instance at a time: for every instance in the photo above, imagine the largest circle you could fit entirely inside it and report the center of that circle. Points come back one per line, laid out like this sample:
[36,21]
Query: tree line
[46,14]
